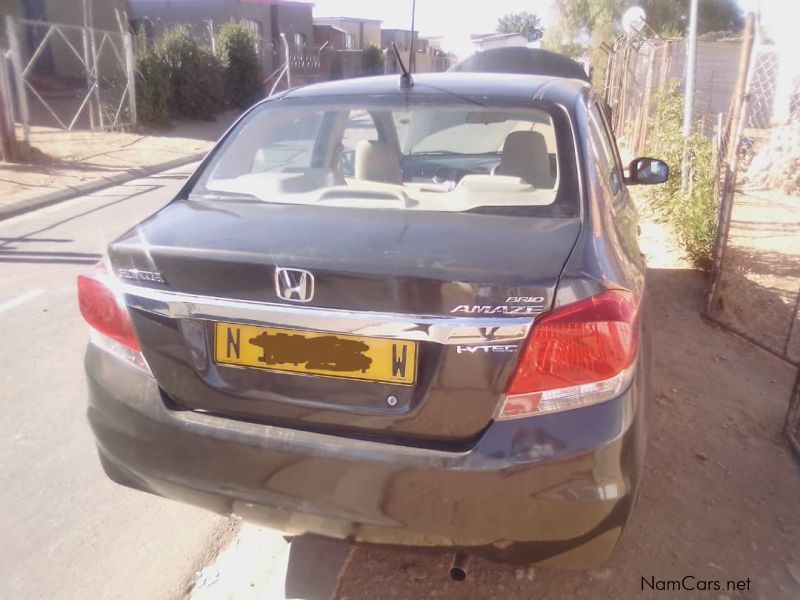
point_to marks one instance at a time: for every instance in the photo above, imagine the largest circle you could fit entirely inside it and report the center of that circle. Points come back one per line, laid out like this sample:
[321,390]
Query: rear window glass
[445,157]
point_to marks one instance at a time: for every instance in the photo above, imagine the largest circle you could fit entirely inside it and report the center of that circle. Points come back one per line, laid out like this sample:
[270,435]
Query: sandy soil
[720,495]
[60,159]
[760,279]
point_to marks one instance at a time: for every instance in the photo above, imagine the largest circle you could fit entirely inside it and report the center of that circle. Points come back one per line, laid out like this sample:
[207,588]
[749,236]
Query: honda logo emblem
[294,285]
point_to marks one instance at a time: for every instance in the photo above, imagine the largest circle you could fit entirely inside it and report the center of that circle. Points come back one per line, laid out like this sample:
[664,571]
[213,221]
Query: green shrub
[236,48]
[372,61]
[195,75]
[152,85]
[692,213]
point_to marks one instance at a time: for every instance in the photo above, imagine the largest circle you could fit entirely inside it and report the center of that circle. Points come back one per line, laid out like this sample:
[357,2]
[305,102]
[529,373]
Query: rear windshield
[447,157]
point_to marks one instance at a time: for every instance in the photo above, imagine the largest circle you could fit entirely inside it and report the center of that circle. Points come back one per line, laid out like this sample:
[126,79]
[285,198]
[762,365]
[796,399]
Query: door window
[603,150]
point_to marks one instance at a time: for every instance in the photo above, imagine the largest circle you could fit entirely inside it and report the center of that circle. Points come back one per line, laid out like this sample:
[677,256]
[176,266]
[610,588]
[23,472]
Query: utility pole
[688,103]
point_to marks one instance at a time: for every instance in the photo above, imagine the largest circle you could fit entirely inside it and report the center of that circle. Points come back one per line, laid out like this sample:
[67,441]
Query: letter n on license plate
[330,355]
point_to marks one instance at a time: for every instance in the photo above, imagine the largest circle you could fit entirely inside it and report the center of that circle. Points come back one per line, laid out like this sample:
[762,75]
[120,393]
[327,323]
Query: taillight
[577,355]
[103,310]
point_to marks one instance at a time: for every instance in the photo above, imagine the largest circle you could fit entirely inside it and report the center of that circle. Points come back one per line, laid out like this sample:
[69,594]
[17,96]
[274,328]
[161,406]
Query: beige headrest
[376,161]
[525,155]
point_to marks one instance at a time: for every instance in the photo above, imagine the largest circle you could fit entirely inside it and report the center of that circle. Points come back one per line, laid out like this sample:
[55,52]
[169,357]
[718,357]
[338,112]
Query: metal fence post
[643,119]
[288,61]
[96,78]
[733,133]
[688,101]
[19,79]
[5,59]
[8,141]
[213,38]
[87,63]
[131,74]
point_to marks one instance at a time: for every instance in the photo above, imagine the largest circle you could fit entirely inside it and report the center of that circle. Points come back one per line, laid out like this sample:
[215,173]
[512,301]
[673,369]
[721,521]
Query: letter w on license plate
[330,355]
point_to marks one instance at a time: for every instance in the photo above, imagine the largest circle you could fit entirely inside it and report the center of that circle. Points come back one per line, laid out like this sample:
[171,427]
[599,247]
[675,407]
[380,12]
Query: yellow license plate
[331,355]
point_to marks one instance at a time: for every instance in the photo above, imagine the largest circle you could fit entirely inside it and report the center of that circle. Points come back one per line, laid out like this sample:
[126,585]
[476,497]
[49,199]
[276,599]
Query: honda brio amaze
[409,315]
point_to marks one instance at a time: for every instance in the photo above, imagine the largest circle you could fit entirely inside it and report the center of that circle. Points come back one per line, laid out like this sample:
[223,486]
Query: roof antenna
[405,77]
[411,48]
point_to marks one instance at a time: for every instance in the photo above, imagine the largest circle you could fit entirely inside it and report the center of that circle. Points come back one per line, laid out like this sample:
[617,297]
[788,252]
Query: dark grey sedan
[392,315]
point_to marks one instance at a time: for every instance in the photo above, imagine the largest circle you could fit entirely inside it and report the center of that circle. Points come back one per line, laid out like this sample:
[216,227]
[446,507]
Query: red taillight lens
[574,354]
[101,309]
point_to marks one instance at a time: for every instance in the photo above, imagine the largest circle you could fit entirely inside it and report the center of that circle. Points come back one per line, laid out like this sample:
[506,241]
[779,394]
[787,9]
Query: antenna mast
[411,45]
[405,74]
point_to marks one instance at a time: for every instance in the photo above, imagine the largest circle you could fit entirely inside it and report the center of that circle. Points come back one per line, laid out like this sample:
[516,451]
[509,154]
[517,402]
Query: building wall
[365,32]
[326,33]
[8,7]
[715,78]
[401,38]
[371,34]
[296,18]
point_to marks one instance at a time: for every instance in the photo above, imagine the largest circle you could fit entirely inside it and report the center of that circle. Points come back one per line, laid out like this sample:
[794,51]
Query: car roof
[532,61]
[469,85]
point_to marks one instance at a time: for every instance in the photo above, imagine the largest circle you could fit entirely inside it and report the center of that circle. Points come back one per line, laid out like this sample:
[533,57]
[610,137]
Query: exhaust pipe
[458,568]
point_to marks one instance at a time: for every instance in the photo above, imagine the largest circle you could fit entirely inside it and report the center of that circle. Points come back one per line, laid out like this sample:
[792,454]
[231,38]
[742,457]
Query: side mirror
[647,171]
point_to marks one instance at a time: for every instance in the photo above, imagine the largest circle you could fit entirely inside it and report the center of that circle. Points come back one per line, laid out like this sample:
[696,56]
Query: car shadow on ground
[314,566]
[719,492]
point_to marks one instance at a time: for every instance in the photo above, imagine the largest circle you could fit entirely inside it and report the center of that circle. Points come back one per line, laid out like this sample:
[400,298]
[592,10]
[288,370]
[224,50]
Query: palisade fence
[747,99]
[71,77]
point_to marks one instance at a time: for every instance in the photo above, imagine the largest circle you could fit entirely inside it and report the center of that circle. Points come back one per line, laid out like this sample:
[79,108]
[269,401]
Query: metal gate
[71,77]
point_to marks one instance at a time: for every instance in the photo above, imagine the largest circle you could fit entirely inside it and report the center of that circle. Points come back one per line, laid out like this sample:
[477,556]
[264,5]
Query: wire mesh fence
[640,66]
[749,102]
[758,279]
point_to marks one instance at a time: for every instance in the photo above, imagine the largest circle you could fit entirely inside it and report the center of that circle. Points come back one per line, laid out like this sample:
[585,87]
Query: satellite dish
[633,19]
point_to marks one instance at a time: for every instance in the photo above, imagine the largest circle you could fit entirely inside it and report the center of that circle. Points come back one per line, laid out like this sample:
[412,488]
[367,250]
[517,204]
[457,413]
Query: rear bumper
[555,488]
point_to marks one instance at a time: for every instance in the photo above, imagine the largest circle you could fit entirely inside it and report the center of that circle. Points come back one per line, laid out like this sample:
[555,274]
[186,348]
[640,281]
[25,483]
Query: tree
[521,22]
[581,29]
[372,61]
[583,26]
[196,77]
[237,51]
[672,18]
[153,89]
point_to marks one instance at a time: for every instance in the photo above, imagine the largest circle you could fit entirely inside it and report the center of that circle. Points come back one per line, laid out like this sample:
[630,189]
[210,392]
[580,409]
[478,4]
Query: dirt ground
[720,498]
[59,159]
[760,279]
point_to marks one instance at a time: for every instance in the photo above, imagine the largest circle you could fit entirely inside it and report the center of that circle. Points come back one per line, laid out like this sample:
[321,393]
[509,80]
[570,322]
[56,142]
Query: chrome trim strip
[442,330]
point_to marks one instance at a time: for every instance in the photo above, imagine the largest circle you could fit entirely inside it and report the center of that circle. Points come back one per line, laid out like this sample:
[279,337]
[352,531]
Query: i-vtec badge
[487,349]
